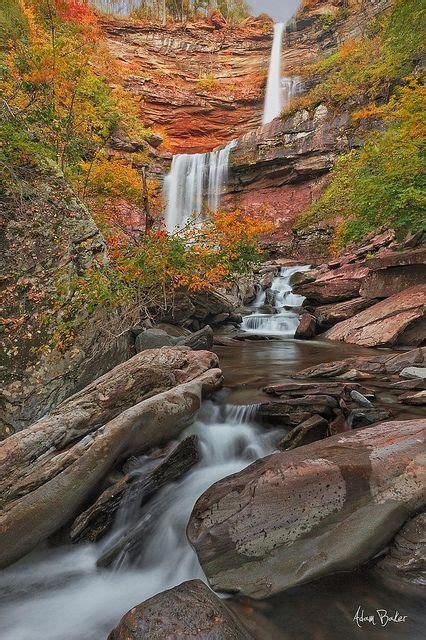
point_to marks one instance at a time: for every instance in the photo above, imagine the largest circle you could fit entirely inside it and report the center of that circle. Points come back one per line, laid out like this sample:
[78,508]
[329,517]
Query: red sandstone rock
[190,610]
[334,285]
[299,515]
[306,328]
[384,323]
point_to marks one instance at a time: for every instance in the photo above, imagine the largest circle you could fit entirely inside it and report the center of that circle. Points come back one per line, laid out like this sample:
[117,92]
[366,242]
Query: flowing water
[274,96]
[279,89]
[284,321]
[194,184]
[61,594]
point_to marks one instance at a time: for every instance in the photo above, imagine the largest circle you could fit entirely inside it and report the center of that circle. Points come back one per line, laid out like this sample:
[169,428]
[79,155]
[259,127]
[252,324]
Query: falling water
[284,322]
[274,95]
[63,595]
[279,90]
[195,182]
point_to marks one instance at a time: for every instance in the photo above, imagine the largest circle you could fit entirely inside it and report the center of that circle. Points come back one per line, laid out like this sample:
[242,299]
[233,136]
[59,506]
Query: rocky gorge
[218,464]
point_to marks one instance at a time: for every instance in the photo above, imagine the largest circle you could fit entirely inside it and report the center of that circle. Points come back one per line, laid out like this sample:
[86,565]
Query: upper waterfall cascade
[279,89]
[195,182]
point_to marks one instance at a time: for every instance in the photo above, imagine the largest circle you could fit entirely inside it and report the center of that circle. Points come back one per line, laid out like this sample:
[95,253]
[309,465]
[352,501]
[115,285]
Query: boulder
[393,272]
[334,285]
[405,562]
[313,429]
[414,372]
[157,338]
[296,516]
[306,328]
[383,324]
[418,398]
[388,364]
[50,470]
[330,314]
[154,339]
[190,610]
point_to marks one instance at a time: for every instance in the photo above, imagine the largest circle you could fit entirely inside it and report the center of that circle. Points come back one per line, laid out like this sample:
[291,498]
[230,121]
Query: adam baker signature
[380,617]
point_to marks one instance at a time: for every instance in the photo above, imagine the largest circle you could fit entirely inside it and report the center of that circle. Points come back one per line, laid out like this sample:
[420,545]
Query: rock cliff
[201,86]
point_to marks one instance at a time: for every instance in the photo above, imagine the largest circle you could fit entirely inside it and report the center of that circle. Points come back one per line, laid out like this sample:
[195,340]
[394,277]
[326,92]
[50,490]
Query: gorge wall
[206,85]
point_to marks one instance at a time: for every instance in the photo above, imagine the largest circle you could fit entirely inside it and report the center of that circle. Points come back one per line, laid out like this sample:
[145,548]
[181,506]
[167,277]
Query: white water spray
[274,94]
[284,322]
[195,182]
[63,595]
[279,89]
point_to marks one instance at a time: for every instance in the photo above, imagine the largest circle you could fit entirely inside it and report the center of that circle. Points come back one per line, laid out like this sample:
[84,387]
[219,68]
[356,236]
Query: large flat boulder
[299,515]
[386,323]
[50,470]
[334,285]
[190,610]
[394,272]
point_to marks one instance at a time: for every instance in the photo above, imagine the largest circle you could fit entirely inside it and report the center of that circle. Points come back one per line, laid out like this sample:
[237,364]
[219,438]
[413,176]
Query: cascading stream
[195,183]
[63,595]
[284,322]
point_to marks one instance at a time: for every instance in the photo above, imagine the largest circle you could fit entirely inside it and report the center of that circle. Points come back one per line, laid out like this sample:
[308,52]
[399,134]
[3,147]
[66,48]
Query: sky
[281,10]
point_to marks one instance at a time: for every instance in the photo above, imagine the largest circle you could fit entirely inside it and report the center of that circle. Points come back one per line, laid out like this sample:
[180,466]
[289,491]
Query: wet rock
[219,318]
[306,328]
[330,314]
[298,515]
[311,430]
[51,469]
[298,389]
[418,398]
[294,411]
[405,562]
[190,610]
[360,399]
[394,272]
[365,416]
[414,372]
[334,285]
[383,324]
[266,280]
[95,521]
[375,364]
[200,340]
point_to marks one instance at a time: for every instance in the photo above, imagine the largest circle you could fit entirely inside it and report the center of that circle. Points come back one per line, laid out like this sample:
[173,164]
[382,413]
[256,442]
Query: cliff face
[202,86]
[199,85]
[48,239]
[283,166]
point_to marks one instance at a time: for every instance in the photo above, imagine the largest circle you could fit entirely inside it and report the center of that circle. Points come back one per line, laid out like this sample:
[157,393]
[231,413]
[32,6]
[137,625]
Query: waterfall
[64,595]
[195,182]
[284,322]
[279,90]
[274,96]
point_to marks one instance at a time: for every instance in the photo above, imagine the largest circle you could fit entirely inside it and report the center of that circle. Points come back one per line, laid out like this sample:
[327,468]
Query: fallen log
[31,457]
[65,479]
[98,518]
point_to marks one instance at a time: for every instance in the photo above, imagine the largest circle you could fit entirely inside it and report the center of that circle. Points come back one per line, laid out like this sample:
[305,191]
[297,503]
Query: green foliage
[382,184]
[368,68]
[327,21]
[13,23]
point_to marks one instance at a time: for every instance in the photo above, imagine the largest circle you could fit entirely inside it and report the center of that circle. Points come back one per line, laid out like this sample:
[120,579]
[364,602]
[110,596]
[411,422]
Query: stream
[60,594]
